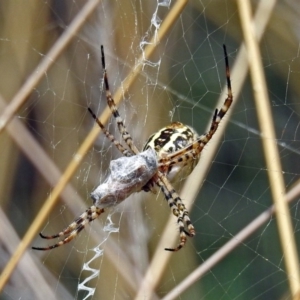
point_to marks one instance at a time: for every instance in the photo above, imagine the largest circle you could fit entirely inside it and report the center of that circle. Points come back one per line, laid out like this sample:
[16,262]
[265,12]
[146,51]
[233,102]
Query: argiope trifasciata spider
[171,150]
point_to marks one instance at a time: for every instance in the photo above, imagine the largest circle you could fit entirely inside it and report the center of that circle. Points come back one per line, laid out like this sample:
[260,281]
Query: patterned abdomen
[172,138]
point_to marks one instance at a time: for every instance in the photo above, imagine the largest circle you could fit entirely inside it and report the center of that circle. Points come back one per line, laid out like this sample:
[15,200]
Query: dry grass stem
[270,148]
[23,93]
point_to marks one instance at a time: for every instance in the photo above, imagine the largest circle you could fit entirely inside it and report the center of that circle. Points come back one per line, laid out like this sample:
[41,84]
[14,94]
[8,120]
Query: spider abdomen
[172,138]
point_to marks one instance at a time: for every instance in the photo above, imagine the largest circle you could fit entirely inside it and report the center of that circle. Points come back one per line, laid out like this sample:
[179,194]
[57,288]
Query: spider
[173,150]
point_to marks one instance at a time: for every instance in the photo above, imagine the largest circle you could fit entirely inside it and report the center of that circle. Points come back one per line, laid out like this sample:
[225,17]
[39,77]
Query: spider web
[122,255]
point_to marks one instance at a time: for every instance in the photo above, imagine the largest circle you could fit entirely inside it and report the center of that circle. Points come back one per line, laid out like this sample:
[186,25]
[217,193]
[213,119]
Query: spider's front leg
[183,217]
[178,209]
[73,229]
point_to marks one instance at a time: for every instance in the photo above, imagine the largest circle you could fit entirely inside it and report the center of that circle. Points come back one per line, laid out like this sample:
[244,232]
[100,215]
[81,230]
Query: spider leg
[178,209]
[111,103]
[178,202]
[182,235]
[74,228]
[194,150]
[168,196]
[69,238]
[110,137]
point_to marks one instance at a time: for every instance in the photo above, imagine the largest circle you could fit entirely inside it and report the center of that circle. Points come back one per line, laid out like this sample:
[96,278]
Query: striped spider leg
[193,150]
[73,229]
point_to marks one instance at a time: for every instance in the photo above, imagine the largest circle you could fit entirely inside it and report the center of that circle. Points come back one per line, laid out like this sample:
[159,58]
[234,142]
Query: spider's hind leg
[109,136]
[112,105]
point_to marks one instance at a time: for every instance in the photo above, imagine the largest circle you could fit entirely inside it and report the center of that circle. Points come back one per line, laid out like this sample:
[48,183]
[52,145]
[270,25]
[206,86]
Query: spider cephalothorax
[170,153]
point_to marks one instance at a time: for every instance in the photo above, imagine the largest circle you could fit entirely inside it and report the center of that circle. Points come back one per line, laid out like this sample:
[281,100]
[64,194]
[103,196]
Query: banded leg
[178,202]
[74,228]
[111,103]
[178,209]
[194,150]
[182,235]
[110,137]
